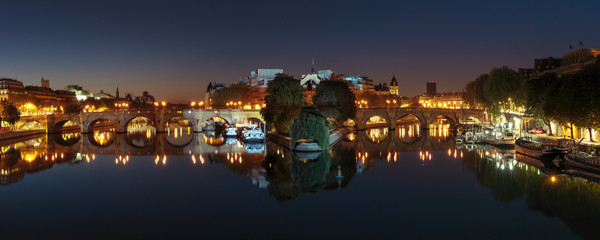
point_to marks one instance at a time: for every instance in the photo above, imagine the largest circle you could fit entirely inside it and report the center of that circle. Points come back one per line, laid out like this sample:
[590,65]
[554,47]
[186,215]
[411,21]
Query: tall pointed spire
[117,92]
[313,65]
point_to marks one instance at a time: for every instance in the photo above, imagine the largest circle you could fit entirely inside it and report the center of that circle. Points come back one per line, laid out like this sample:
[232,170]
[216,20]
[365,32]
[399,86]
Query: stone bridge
[120,119]
[425,115]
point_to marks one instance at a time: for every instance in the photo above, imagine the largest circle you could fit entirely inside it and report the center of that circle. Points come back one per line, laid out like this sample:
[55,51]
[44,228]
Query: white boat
[307,146]
[501,139]
[231,132]
[252,135]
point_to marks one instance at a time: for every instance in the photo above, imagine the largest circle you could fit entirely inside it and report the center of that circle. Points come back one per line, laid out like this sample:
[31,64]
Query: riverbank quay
[16,135]
[284,141]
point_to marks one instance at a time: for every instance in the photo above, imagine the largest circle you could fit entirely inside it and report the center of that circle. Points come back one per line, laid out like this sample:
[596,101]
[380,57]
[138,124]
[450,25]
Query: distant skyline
[173,49]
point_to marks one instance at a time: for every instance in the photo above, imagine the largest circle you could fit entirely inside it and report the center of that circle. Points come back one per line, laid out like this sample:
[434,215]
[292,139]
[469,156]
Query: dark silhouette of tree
[9,113]
[580,93]
[335,95]
[283,102]
[468,94]
[535,93]
[310,124]
[502,84]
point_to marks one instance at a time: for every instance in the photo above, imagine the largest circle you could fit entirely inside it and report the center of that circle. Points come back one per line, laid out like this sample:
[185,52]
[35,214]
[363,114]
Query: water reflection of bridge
[163,144]
[395,141]
[44,151]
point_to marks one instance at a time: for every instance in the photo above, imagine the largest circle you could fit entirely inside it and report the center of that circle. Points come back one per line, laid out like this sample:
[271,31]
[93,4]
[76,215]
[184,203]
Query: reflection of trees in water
[310,173]
[10,158]
[290,175]
[574,200]
[281,184]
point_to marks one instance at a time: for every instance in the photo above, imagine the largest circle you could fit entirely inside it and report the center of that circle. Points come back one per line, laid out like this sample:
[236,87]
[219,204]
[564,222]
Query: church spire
[117,92]
[313,65]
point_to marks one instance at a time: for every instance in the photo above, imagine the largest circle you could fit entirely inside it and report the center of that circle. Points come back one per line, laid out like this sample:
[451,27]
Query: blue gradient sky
[173,49]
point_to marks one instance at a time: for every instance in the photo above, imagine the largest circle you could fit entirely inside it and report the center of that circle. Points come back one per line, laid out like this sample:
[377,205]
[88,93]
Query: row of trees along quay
[570,100]
[333,103]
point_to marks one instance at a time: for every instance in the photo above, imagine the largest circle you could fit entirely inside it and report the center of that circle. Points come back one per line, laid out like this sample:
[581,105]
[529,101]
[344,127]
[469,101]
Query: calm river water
[375,184]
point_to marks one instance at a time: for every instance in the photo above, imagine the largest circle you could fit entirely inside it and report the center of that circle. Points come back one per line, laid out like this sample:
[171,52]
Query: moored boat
[544,150]
[307,146]
[582,161]
[252,135]
[230,132]
[505,139]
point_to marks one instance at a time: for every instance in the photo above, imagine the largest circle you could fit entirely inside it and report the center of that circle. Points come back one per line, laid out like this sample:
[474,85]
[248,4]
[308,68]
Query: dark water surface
[374,184]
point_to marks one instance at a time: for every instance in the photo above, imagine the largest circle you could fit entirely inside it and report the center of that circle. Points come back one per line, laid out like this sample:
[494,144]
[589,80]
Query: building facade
[452,100]
[571,62]
[262,77]
[12,91]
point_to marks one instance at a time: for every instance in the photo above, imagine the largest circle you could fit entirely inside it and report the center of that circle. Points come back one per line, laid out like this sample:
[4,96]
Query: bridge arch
[60,126]
[105,122]
[404,118]
[254,120]
[131,120]
[443,119]
[32,125]
[376,121]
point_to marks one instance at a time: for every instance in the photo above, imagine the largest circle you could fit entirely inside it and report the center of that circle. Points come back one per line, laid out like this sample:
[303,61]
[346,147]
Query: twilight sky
[173,49]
